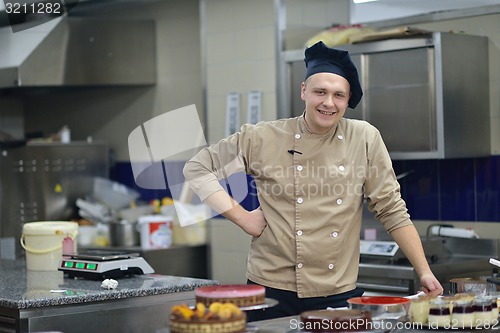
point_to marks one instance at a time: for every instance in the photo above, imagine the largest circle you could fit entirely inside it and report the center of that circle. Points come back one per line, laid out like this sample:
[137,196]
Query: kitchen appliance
[379,248]
[42,181]
[383,271]
[413,94]
[72,51]
[101,264]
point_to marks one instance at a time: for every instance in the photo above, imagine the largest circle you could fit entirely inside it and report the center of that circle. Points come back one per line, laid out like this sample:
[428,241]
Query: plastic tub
[44,241]
[155,231]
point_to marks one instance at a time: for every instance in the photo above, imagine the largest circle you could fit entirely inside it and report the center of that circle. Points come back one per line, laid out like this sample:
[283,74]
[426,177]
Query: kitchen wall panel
[305,19]
[240,57]
[111,114]
[452,190]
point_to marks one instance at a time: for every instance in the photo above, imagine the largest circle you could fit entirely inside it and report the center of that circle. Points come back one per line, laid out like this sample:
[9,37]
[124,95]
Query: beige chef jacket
[311,197]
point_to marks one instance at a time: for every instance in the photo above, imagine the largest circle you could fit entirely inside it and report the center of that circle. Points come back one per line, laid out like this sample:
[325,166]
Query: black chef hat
[319,58]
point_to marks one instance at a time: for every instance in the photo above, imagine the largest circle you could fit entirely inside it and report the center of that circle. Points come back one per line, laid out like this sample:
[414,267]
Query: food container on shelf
[123,233]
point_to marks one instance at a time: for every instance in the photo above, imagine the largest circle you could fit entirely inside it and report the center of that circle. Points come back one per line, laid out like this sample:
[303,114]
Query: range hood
[69,51]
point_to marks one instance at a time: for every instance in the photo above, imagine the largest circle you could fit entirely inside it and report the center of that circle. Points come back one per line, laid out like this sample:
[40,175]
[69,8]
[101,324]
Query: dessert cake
[239,294]
[463,310]
[217,318]
[348,320]
[419,309]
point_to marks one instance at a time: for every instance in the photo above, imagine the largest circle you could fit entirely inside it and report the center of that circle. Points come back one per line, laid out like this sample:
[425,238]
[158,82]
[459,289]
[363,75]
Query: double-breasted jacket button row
[300,200]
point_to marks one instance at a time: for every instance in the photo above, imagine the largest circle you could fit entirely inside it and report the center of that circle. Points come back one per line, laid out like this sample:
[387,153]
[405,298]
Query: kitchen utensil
[93,211]
[477,286]
[113,194]
[381,307]
[495,281]
[123,233]
[495,262]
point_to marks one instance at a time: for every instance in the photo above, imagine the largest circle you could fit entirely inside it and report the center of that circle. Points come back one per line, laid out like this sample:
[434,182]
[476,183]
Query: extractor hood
[69,51]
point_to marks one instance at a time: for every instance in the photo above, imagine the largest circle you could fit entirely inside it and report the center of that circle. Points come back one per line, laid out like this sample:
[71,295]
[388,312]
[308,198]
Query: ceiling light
[362,1]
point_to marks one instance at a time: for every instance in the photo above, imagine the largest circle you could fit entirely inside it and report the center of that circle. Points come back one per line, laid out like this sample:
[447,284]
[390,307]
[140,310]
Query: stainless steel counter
[35,301]
[453,258]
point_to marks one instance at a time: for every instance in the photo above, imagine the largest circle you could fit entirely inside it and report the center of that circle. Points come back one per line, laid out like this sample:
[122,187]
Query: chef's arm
[408,240]
[219,161]
[253,223]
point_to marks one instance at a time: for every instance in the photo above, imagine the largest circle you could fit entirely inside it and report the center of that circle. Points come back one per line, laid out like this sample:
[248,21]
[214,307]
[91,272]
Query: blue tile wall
[420,187]
[488,189]
[443,190]
[452,189]
[122,173]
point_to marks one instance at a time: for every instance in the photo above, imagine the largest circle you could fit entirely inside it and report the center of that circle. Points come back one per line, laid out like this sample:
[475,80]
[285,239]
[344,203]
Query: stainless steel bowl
[123,233]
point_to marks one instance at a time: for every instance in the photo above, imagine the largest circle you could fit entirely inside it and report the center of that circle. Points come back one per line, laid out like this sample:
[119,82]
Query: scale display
[100,264]
[379,248]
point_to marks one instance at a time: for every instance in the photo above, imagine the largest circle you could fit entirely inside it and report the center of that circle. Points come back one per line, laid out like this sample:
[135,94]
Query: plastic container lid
[378,300]
[49,228]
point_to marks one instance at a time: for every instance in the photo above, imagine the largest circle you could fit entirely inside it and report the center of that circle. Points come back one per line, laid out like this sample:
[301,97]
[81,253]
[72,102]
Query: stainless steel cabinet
[41,181]
[400,99]
[428,95]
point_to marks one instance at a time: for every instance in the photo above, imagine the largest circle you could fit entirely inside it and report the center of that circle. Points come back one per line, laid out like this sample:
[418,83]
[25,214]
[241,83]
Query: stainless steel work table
[35,301]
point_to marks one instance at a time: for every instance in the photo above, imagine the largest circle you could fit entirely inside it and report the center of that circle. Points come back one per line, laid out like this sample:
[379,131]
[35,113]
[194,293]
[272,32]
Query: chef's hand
[430,285]
[254,223]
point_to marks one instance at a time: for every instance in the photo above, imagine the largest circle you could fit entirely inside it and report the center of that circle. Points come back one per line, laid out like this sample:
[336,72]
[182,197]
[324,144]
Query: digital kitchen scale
[99,264]
[379,248]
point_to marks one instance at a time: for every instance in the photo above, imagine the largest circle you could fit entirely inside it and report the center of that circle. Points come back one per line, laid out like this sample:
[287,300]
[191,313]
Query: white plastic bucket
[43,242]
[156,231]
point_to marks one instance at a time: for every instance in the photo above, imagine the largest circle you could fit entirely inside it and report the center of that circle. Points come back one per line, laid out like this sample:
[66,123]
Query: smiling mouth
[326,113]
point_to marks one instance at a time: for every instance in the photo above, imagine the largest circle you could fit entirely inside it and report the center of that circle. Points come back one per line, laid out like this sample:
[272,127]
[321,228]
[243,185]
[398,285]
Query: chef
[312,174]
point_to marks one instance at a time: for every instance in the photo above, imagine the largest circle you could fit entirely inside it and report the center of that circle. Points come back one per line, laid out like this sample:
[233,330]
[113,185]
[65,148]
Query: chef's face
[326,96]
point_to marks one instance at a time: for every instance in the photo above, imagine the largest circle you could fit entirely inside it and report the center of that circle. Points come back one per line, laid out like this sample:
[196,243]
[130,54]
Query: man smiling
[305,245]
[326,97]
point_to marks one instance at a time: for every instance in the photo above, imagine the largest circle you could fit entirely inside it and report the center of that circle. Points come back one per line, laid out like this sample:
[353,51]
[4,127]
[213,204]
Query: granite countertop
[23,289]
